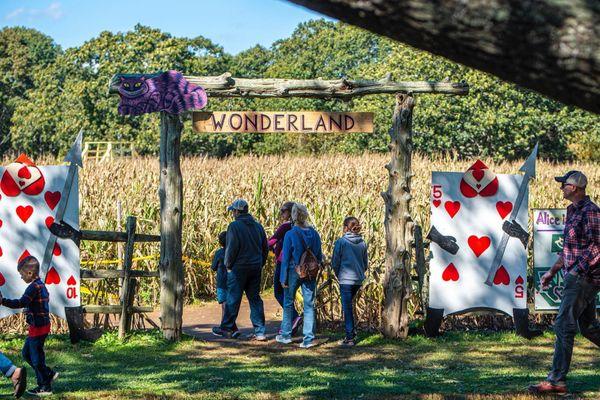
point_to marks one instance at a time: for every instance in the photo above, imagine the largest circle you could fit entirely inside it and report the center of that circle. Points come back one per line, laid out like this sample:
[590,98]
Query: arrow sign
[74,158]
[529,169]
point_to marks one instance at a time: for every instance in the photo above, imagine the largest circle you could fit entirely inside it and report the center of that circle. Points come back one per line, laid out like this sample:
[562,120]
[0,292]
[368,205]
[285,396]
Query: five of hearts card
[471,207]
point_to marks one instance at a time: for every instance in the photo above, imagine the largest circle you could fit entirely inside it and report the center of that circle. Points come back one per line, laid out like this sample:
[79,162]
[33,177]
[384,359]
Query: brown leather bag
[308,268]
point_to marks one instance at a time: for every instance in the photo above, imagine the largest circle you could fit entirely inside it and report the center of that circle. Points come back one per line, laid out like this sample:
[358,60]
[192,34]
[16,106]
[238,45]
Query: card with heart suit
[29,198]
[471,207]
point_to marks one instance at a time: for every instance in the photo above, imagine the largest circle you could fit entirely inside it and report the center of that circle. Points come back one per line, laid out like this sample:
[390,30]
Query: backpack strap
[302,240]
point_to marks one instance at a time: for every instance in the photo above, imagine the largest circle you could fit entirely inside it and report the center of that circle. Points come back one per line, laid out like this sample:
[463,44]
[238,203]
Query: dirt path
[198,320]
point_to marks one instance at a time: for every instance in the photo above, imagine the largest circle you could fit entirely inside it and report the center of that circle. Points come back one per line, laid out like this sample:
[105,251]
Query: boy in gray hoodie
[349,262]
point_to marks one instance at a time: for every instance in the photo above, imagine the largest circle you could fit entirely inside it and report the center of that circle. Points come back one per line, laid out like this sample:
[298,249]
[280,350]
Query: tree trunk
[550,46]
[171,209]
[398,222]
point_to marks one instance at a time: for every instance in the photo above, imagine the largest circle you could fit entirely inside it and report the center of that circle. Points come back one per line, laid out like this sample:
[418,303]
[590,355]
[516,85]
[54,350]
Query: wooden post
[398,222]
[171,208]
[128,284]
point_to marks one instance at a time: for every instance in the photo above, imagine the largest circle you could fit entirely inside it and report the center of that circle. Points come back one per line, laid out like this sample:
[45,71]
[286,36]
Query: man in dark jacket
[245,255]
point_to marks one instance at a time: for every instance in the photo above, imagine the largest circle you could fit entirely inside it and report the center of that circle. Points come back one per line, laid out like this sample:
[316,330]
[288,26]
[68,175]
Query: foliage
[72,93]
[23,54]
[54,94]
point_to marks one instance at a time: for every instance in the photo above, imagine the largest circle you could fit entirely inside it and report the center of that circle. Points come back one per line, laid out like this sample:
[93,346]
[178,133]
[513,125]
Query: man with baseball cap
[580,265]
[245,255]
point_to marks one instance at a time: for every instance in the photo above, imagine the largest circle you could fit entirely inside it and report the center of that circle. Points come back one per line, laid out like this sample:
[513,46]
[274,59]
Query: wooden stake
[171,209]
[398,222]
[128,283]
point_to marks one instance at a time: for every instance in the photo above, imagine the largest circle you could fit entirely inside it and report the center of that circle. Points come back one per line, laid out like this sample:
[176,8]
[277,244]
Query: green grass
[458,365]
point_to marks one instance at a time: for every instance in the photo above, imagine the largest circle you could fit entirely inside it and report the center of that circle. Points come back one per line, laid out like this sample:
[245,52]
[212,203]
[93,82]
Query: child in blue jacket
[350,262]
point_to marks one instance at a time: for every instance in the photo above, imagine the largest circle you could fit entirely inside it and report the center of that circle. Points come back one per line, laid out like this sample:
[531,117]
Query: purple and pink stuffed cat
[168,91]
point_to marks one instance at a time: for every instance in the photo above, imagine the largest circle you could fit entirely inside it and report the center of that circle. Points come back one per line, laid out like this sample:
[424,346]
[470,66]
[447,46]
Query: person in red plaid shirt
[580,264]
[35,304]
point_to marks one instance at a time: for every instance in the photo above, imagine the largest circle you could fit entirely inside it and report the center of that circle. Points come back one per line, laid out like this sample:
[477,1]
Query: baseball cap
[575,178]
[238,204]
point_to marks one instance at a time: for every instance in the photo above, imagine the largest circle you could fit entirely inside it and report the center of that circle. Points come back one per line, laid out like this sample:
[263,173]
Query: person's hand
[546,279]
[284,285]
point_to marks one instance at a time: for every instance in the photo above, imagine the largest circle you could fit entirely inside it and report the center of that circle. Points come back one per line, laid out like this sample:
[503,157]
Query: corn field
[332,187]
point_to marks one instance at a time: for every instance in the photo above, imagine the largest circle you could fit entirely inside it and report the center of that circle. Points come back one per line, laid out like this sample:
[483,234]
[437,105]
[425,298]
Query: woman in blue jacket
[350,262]
[296,240]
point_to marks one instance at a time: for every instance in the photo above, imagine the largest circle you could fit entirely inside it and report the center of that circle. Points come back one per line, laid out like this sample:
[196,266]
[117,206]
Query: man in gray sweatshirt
[349,262]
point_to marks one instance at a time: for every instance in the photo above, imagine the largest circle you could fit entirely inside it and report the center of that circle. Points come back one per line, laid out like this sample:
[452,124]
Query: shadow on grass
[453,366]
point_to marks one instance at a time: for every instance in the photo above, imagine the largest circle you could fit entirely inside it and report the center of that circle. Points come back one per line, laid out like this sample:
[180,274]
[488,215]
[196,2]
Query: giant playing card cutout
[30,196]
[477,203]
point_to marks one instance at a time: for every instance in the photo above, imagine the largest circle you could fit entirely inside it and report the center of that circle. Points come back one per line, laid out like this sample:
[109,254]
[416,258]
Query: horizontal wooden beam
[115,273]
[108,236]
[345,89]
[115,309]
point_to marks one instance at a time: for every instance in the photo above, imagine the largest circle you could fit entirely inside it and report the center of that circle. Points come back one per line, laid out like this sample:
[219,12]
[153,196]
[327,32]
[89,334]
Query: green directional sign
[548,227]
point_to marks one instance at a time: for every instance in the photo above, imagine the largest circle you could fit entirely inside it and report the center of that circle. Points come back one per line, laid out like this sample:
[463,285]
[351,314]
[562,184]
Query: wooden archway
[398,221]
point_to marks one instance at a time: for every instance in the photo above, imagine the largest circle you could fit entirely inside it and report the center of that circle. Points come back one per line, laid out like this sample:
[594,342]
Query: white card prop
[471,208]
[29,200]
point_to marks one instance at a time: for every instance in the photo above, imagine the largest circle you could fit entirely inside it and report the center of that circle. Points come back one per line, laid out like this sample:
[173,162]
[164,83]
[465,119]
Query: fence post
[128,285]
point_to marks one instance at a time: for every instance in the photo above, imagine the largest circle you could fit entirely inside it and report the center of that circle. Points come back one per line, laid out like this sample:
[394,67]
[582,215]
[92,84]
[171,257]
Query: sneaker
[347,343]
[40,391]
[283,340]
[257,338]
[308,345]
[296,324]
[236,334]
[53,376]
[217,331]
[548,387]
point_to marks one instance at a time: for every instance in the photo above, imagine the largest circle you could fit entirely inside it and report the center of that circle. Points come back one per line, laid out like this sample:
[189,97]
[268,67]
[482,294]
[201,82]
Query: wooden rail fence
[127,281]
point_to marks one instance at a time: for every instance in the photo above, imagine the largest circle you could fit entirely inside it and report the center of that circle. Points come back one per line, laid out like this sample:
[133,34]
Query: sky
[234,24]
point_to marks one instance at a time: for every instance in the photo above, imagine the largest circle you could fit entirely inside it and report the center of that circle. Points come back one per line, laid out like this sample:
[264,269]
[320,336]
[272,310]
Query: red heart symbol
[24,173]
[49,221]
[450,273]
[0,223]
[52,277]
[478,174]
[23,256]
[0,251]
[479,244]
[71,281]
[436,203]
[52,199]
[501,277]
[24,212]
[57,250]
[504,208]
[2,280]
[519,280]
[452,207]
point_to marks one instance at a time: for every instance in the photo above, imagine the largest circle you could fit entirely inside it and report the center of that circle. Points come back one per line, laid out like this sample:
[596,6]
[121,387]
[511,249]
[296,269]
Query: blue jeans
[279,290]
[308,295]
[33,353]
[221,295]
[239,281]
[577,309]
[347,293]
[6,366]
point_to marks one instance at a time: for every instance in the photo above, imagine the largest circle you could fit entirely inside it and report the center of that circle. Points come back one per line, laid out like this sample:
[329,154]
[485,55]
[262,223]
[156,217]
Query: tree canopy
[50,94]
